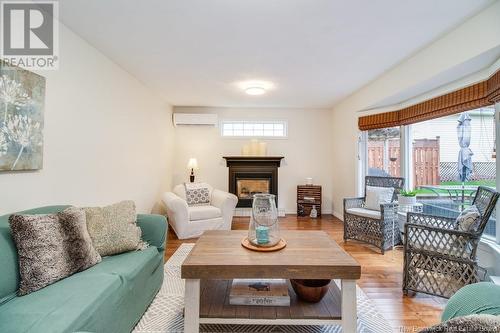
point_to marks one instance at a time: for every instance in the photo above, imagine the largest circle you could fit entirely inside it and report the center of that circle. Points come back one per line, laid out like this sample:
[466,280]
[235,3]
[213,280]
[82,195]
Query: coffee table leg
[349,311]
[192,306]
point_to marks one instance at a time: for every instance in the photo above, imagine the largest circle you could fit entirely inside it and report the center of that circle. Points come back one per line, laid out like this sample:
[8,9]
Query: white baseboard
[247,212]
[338,215]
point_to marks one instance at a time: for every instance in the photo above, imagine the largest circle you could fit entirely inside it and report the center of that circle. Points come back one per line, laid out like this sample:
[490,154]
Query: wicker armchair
[438,258]
[373,227]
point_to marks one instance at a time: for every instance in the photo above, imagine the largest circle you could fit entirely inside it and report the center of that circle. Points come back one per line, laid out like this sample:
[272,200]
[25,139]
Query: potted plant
[407,197]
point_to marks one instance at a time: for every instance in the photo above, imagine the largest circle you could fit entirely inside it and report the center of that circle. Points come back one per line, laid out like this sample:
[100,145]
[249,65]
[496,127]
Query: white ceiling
[316,52]
[473,65]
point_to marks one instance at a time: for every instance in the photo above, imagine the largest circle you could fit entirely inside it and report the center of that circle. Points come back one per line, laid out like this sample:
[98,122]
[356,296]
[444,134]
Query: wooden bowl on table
[310,290]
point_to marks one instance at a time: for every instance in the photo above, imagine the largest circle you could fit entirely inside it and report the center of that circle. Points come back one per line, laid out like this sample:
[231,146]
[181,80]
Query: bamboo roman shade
[494,88]
[468,98]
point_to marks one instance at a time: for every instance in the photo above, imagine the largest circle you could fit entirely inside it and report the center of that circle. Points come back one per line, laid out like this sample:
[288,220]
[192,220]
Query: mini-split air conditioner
[200,119]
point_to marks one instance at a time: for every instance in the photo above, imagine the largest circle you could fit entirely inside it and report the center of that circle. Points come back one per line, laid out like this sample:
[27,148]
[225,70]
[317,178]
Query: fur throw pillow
[113,228]
[474,323]
[51,247]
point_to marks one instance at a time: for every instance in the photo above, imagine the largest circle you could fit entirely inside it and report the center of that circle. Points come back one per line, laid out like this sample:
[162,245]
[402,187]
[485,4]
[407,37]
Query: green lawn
[491,183]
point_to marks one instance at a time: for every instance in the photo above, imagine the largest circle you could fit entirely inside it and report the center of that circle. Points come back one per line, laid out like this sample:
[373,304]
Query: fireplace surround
[249,175]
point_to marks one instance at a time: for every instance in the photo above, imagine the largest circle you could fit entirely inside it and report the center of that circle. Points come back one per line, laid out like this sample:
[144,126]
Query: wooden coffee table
[219,257]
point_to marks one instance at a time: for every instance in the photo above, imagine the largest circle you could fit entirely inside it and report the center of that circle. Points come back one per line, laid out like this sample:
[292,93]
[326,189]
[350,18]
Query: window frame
[254,122]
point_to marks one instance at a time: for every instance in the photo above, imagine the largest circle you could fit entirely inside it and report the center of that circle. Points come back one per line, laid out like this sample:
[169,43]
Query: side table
[304,206]
[403,211]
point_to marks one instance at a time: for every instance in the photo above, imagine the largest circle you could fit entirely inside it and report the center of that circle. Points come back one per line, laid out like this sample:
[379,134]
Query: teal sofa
[109,297]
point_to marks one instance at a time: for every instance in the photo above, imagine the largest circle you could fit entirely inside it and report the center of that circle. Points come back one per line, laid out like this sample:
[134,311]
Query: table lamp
[193,165]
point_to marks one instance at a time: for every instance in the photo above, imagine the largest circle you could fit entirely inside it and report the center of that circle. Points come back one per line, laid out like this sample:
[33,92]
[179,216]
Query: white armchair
[192,221]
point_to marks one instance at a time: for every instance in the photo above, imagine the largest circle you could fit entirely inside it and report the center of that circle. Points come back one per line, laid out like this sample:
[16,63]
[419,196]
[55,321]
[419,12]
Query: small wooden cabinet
[308,196]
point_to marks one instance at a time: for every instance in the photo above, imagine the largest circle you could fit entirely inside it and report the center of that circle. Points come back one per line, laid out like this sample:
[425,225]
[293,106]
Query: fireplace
[249,175]
[246,187]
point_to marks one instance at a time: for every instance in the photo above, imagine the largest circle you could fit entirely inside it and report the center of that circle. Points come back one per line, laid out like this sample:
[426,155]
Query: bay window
[444,147]
[430,163]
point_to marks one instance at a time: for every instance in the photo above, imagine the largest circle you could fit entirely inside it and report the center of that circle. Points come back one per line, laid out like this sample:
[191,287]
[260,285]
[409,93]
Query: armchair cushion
[371,214]
[468,218]
[203,213]
[376,196]
[180,190]
[197,194]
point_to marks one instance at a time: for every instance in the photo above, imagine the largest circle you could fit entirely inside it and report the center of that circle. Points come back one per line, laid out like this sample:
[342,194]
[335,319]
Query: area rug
[164,315]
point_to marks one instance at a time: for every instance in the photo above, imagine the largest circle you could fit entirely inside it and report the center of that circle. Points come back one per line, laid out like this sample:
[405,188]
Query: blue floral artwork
[22,101]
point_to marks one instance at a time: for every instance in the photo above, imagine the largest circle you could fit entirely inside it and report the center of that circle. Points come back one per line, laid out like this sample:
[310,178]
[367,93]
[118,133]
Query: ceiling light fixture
[255,88]
[255,91]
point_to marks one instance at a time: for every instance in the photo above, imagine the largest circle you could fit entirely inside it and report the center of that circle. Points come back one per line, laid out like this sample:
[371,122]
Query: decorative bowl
[310,290]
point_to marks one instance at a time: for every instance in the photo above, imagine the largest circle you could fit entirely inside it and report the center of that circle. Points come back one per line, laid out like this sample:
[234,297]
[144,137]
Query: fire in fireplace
[246,188]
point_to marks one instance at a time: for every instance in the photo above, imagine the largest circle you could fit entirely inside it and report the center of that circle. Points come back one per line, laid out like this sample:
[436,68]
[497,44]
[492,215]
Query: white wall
[473,38]
[307,150]
[107,137]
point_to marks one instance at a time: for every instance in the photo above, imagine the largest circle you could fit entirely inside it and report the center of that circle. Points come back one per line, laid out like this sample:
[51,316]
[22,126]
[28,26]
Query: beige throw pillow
[51,247]
[376,196]
[468,218]
[113,228]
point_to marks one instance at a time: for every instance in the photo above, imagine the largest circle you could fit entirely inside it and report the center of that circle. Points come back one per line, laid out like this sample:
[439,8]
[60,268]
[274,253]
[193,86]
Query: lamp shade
[192,164]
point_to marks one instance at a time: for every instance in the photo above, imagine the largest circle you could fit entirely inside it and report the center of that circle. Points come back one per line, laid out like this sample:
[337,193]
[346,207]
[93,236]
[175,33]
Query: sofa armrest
[154,229]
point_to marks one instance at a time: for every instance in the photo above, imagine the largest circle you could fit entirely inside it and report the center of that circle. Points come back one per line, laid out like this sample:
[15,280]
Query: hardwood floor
[381,276]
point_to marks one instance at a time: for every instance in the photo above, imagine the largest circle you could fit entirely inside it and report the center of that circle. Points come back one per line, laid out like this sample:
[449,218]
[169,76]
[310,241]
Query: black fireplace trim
[267,166]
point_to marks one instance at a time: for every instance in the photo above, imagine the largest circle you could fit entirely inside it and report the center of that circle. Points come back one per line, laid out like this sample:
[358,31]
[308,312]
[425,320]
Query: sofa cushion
[113,228]
[51,247]
[372,214]
[203,212]
[9,277]
[109,297]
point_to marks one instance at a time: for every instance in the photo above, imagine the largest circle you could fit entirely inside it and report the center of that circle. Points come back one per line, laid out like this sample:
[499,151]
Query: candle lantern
[264,230]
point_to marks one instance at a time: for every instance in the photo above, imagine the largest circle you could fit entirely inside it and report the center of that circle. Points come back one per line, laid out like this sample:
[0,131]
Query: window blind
[475,96]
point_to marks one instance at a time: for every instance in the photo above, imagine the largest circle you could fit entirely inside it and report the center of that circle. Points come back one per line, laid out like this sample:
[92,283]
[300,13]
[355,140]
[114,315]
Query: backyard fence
[426,162]
[385,155]
[388,161]
[481,171]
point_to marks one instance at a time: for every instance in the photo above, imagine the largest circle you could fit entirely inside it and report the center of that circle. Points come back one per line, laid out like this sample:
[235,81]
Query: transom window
[243,128]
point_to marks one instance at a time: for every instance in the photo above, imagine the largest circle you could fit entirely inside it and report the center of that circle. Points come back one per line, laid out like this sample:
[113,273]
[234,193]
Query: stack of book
[268,292]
